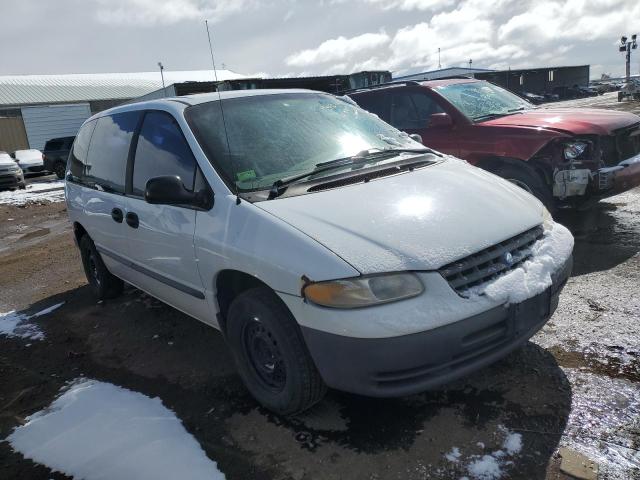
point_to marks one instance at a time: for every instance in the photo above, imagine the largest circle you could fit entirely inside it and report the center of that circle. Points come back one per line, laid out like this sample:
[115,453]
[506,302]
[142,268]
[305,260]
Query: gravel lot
[575,386]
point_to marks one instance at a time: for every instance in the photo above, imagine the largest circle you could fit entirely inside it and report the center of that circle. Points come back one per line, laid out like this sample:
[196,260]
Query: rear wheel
[104,284]
[529,180]
[270,353]
[59,168]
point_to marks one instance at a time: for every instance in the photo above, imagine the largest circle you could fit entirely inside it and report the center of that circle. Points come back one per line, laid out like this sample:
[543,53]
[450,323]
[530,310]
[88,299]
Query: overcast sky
[289,37]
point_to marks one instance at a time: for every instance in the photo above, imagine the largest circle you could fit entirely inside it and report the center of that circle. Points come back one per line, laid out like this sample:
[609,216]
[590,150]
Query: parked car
[565,157]
[327,246]
[55,154]
[30,161]
[10,173]
[534,98]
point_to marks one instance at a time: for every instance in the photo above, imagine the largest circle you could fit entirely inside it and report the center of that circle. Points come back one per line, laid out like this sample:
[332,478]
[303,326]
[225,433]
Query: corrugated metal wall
[51,121]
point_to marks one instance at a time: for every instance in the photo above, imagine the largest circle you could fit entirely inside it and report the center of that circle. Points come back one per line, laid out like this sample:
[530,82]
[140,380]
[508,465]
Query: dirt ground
[575,385]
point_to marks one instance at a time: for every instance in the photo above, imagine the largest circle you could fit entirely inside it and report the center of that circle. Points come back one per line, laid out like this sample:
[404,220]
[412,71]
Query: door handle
[116,214]
[132,220]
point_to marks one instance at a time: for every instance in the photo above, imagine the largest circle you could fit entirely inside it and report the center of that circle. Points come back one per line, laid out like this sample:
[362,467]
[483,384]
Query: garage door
[51,121]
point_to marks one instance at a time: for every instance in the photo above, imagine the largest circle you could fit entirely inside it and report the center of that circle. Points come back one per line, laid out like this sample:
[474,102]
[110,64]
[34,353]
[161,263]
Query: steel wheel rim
[263,354]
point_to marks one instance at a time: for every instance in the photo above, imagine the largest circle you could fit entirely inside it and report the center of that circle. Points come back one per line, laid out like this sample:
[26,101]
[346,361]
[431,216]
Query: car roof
[196,99]
[422,83]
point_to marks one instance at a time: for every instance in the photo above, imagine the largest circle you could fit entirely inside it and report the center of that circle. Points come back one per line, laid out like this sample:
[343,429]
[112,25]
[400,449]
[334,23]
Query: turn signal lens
[364,291]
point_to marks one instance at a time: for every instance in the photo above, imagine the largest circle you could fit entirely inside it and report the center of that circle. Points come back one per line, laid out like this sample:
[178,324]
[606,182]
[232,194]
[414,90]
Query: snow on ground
[50,191]
[97,430]
[534,276]
[491,466]
[13,324]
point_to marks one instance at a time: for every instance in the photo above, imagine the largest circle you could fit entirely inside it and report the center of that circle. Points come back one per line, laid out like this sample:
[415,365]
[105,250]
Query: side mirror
[440,120]
[169,190]
[415,137]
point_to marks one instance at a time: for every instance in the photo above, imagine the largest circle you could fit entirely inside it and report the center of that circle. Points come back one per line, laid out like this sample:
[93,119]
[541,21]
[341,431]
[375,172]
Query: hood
[6,160]
[577,121]
[418,220]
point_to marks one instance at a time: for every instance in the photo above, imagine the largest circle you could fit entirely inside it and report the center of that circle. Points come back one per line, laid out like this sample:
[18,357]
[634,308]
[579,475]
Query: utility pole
[439,66]
[162,77]
[470,62]
[626,46]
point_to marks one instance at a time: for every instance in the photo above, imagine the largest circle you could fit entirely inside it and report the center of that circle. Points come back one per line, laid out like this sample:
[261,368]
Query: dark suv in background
[56,151]
[563,156]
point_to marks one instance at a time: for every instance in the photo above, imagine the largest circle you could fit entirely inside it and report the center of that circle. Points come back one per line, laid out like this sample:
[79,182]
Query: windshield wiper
[361,157]
[499,114]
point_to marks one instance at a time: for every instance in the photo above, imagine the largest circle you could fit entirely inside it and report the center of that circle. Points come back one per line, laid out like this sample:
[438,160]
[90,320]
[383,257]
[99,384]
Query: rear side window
[162,150]
[377,103]
[78,157]
[109,151]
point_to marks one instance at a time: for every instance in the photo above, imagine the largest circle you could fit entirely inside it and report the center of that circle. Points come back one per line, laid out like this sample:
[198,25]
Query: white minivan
[328,247]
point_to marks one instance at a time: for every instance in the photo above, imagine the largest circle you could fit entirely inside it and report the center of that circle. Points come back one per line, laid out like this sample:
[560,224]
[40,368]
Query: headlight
[364,291]
[574,149]
[547,219]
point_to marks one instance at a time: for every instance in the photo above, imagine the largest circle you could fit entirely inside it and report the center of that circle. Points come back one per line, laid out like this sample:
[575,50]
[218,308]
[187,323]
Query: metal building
[36,108]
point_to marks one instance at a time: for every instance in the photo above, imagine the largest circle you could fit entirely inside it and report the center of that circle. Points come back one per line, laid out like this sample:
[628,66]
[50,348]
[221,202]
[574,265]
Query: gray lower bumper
[396,366]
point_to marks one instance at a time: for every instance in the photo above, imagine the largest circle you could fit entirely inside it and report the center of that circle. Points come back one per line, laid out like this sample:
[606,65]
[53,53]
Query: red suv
[565,157]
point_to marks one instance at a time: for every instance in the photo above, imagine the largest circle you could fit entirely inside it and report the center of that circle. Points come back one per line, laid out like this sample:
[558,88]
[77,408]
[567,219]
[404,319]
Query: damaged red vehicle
[564,156]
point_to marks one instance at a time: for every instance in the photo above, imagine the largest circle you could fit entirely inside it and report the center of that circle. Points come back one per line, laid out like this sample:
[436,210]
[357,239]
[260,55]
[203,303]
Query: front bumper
[614,180]
[32,168]
[408,364]
[11,179]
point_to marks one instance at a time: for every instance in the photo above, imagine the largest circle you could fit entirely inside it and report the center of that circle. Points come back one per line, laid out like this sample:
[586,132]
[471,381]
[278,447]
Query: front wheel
[529,180]
[270,354]
[104,284]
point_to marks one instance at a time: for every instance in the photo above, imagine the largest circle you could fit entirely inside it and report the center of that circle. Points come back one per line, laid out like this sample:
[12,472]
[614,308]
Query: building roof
[411,74]
[17,90]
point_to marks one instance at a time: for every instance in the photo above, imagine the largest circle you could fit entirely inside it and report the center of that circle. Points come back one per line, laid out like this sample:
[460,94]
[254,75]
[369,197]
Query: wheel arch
[493,163]
[230,283]
[79,231]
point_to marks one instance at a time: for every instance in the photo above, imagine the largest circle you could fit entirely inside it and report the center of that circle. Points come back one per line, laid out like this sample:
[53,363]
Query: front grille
[491,262]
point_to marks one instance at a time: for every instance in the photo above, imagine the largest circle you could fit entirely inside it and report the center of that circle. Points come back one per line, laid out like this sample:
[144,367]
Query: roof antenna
[224,123]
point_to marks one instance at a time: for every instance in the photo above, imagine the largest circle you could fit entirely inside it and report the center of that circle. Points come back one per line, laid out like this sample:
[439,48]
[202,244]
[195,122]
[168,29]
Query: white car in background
[10,174]
[30,161]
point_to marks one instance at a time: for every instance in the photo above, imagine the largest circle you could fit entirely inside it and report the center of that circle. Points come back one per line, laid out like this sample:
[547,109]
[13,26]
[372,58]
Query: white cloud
[337,49]
[165,12]
[492,33]
[413,4]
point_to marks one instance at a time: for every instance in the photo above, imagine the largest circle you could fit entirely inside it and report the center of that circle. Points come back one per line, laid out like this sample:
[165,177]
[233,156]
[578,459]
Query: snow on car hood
[419,220]
[578,121]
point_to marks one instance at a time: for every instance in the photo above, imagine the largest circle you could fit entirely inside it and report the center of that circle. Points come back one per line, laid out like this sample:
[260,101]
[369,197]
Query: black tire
[22,186]
[270,354]
[528,179]
[104,284]
[59,168]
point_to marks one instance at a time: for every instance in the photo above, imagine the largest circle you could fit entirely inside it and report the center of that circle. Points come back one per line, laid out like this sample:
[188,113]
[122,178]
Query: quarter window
[162,150]
[107,163]
[78,157]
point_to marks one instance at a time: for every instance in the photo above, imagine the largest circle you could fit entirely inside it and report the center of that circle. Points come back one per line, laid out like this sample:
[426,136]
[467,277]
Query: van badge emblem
[507,259]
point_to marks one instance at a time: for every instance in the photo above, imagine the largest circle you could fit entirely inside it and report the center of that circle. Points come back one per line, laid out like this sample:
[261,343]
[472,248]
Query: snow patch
[51,191]
[453,455]
[534,276]
[97,430]
[490,466]
[13,324]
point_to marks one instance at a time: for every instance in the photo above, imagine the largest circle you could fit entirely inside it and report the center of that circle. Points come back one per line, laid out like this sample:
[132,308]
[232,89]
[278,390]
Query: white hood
[6,160]
[419,220]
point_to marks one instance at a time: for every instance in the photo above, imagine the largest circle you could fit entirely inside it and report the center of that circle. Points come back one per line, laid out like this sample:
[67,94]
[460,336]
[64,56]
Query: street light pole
[439,66]
[627,46]
[162,77]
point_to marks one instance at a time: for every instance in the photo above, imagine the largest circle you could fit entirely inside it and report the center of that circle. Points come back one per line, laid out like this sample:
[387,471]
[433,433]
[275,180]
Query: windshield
[277,136]
[482,100]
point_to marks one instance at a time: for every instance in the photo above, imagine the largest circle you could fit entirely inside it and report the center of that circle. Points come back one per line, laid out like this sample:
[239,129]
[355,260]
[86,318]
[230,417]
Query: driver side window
[162,150]
[412,110]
